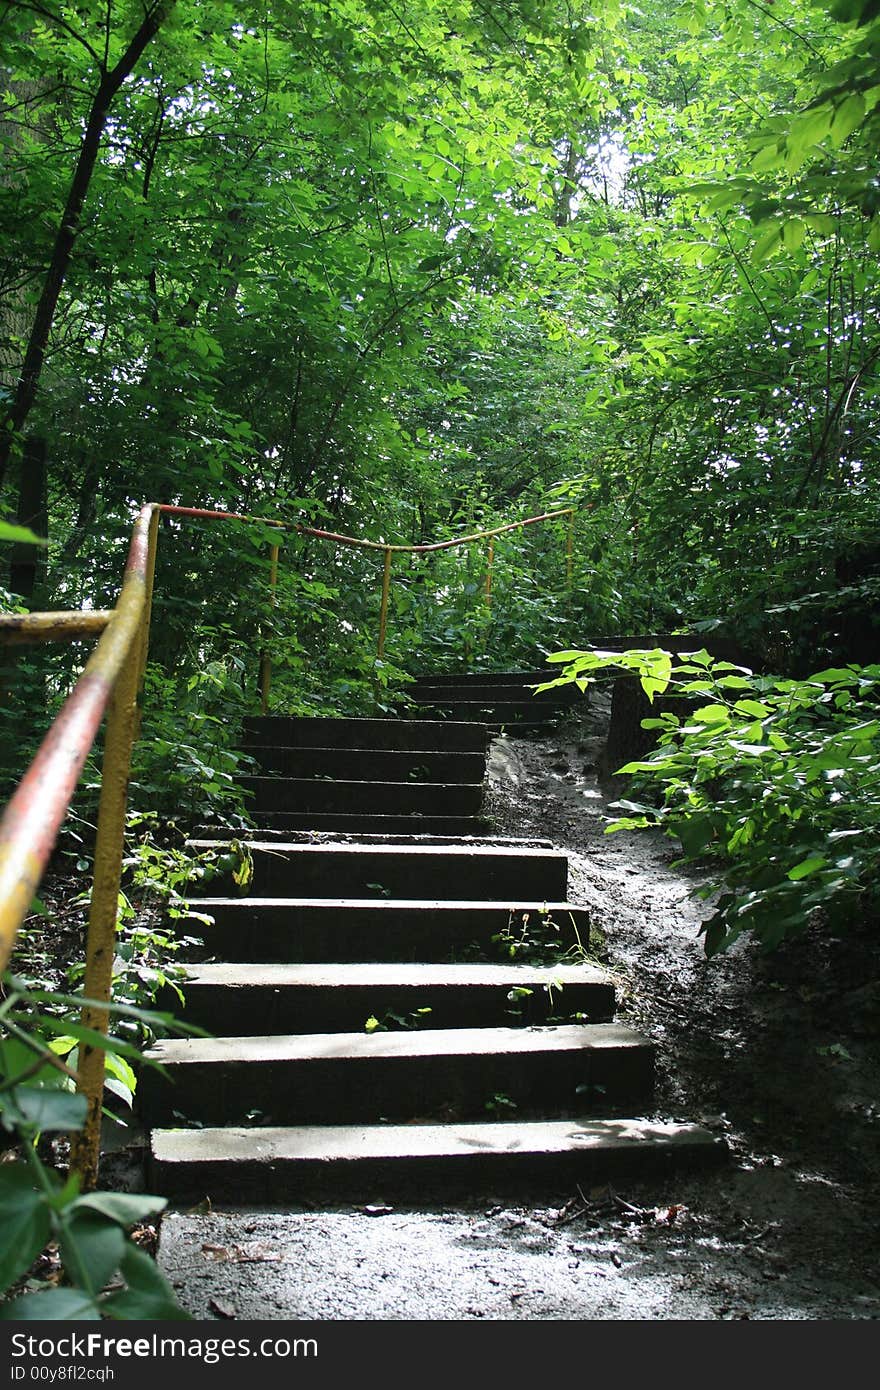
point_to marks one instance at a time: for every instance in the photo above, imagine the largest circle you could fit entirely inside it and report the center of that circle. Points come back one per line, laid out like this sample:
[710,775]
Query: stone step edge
[301,720]
[498,906]
[480,850]
[353,1144]
[368,837]
[421,1045]
[381,786]
[391,975]
[255,750]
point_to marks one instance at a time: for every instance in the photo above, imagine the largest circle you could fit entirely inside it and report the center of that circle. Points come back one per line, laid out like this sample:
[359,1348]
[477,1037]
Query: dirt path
[781,1053]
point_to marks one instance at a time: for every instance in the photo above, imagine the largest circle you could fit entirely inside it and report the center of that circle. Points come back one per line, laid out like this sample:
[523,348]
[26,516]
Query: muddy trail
[779,1053]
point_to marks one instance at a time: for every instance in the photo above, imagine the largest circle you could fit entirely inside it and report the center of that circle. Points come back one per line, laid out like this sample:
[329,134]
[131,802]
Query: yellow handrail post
[149,582]
[265,658]
[490,556]
[383,612]
[123,720]
[569,548]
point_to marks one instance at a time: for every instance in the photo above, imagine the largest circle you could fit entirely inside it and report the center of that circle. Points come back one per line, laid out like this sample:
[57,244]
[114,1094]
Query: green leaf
[16,1059]
[122,1207]
[754,707]
[59,1305]
[811,127]
[148,1295]
[835,674]
[91,1248]
[91,1036]
[9,532]
[711,714]
[807,866]
[695,834]
[771,241]
[118,1067]
[768,157]
[847,116]
[24,1220]
[152,1017]
[47,1110]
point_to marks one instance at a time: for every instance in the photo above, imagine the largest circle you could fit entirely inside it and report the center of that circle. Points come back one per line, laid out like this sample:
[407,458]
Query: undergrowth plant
[774,781]
[102,1272]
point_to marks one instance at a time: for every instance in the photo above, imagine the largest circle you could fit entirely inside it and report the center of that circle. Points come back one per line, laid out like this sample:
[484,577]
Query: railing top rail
[301,529]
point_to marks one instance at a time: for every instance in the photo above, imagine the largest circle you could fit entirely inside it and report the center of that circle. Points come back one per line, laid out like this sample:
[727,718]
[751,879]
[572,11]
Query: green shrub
[778,781]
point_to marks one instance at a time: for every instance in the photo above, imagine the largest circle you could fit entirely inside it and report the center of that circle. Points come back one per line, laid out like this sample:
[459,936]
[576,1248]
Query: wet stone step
[491,695]
[478,679]
[402,871]
[380,837]
[364,1078]
[313,930]
[364,764]
[525,728]
[388,798]
[363,824]
[286,731]
[248,1165]
[283,998]
[495,712]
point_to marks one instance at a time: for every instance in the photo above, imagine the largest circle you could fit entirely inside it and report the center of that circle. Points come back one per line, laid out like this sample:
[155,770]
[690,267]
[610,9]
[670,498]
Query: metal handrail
[111,684]
[388,550]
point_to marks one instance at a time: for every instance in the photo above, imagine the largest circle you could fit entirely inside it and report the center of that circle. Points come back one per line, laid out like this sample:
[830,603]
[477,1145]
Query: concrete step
[268,998]
[484,678]
[352,1078]
[288,731]
[313,930]
[254,1165]
[353,870]
[526,728]
[493,712]
[490,695]
[362,824]
[368,764]
[303,795]
[368,837]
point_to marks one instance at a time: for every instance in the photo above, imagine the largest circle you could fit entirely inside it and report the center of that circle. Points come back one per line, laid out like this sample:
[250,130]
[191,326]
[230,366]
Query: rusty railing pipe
[39,804]
[383,609]
[265,658]
[17,629]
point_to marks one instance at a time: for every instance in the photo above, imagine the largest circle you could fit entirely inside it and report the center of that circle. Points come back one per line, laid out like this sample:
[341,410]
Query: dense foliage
[773,782]
[411,268]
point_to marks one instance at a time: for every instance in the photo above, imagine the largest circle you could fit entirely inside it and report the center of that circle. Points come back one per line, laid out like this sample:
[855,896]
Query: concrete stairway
[379,776]
[503,701]
[375,1021]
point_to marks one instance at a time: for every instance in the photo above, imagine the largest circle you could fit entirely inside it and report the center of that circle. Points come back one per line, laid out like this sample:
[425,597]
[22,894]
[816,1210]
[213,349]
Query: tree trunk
[27,563]
[35,353]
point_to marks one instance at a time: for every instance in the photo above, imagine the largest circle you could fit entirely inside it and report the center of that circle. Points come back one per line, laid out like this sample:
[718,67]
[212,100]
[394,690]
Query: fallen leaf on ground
[223,1310]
